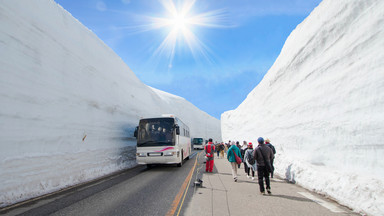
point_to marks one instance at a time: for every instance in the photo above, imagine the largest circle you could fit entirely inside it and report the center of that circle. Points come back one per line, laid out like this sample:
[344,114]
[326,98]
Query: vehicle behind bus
[163,140]
[198,143]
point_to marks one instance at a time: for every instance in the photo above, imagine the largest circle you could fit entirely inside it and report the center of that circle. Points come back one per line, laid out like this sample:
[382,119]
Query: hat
[267,140]
[260,140]
[250,145]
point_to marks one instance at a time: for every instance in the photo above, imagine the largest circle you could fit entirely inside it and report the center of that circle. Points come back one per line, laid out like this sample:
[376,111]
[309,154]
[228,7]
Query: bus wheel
[149,166]
[181,162]
[187,158]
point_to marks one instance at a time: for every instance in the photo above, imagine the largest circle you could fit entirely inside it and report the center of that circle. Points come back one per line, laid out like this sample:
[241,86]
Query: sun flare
[179,22]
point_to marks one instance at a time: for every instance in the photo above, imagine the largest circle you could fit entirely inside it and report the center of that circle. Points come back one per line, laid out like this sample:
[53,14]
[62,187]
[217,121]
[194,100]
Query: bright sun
[180,20]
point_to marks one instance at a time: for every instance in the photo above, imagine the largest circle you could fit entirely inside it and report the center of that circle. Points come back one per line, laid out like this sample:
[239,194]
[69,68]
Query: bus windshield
[156,132]
[198,141]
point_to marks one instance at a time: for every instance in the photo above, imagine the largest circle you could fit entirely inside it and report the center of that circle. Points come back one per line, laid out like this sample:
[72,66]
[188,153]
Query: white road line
[332,207]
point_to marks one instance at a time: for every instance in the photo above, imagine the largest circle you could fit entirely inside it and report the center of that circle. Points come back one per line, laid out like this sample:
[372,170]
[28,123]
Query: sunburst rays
[180,21]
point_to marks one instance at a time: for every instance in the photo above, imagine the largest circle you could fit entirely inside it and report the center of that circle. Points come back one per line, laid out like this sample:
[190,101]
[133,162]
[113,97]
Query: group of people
[259,159]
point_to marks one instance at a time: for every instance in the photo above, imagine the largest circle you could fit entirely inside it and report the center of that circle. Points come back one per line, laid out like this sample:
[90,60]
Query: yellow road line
[182,191]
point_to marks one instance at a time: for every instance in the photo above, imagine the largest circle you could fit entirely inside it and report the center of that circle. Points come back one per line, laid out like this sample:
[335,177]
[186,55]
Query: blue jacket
[230,155]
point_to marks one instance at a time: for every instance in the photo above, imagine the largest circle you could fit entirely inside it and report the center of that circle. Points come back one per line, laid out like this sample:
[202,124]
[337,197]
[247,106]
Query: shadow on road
[301,199]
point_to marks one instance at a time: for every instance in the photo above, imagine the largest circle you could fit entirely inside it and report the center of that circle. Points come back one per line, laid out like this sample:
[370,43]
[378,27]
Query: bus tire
[187,158]
[181,162]
[149,166]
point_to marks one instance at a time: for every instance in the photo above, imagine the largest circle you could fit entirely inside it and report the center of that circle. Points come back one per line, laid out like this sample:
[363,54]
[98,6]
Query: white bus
[163,140]
[198,143]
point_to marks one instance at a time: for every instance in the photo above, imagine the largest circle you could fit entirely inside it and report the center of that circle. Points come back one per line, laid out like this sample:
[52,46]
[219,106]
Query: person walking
[263,155]
[250,161]
[244,148]
[222,148]
[226,147]
[217,147]
[241,154]
[209,153]
[268,143]
[232,151]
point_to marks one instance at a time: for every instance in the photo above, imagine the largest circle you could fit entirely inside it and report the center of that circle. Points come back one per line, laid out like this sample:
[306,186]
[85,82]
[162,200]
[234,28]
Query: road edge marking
[179,195]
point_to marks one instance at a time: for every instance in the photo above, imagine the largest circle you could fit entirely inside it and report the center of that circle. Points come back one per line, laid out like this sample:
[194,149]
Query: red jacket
[209,149]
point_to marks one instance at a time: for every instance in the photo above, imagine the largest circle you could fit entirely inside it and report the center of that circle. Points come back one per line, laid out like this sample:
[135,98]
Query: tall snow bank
[322,103]
[69,104]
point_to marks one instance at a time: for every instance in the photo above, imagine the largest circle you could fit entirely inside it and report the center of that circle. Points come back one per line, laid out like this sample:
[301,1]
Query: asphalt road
[137,191]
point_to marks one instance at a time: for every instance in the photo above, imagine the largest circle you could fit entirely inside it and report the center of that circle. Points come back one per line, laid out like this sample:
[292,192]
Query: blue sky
[233,43]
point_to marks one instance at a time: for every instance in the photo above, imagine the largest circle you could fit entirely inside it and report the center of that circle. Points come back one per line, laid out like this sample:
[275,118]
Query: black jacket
[266,151]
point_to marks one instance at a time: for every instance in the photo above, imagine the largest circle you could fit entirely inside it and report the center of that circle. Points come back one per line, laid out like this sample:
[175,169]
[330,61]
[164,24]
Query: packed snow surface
[322,105]
[69,104]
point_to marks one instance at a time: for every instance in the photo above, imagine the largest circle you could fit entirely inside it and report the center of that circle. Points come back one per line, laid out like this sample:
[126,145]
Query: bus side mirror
[177,130]
[135,133]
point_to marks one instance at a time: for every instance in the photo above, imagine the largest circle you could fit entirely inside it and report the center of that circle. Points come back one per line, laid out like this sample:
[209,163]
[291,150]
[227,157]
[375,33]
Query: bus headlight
[169,153]
[141,154]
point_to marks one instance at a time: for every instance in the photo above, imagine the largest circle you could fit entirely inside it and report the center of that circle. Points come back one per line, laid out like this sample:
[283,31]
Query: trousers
[263,173]
[209,165]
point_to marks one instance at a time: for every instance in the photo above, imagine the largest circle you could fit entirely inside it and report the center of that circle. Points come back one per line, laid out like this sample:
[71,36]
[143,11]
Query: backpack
[250,158]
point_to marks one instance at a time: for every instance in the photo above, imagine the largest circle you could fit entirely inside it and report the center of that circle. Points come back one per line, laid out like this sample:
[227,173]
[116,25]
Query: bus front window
[156,132]
[198,141]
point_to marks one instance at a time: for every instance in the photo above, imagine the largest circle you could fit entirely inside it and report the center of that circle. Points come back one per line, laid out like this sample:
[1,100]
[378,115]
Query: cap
[260,140]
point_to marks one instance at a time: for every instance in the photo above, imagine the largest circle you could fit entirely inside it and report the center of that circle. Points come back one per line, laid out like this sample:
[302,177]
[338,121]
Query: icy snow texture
[322,105]
[69,104]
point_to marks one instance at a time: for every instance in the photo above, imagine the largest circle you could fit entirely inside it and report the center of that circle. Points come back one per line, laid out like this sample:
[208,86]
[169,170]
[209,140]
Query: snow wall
[69,104]
[322,105]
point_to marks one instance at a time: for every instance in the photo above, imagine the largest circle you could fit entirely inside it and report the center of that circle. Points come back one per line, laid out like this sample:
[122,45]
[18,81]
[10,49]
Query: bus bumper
[152,158]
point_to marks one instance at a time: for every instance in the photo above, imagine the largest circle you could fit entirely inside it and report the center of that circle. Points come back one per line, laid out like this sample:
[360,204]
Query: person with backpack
[233,151]
[209,153]
[263,155]
[250,161]
[268,143]
[244,148]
